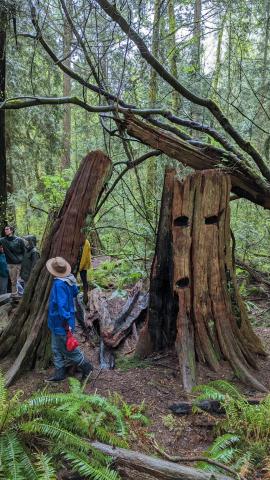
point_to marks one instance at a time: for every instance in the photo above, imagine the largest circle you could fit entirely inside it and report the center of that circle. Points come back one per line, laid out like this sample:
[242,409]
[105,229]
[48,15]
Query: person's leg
[57,342]
[83,275]
[3,285]
[13,277]
[78,358]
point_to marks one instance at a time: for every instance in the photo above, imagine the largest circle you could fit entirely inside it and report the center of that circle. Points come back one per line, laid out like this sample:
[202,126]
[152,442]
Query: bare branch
[129,165]
[171,80]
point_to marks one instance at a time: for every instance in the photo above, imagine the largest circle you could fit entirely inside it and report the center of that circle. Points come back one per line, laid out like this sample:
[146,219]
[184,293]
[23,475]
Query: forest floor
[157,383]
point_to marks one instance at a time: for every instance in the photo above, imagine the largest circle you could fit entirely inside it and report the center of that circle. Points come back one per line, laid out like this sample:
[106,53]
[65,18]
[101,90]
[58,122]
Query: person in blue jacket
[3,271]
[61,317]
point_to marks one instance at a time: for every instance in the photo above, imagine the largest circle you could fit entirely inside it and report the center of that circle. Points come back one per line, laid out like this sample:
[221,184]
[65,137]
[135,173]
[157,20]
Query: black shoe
[58,376]
[71,370]
[86,368]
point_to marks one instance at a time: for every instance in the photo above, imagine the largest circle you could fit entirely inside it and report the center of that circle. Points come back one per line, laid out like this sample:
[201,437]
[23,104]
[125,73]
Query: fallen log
[259,277]
[5,298]
[244,183]
[209,406]
[156,467]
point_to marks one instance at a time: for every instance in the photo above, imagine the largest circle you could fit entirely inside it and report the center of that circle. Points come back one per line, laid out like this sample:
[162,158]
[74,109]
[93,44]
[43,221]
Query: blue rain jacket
[3,266]
[61,306]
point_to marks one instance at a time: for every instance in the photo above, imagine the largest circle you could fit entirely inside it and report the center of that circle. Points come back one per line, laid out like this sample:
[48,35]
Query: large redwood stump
[26,336]
[206,312]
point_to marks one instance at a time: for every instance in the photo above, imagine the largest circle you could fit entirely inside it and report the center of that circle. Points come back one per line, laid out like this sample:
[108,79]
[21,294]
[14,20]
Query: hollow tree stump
[26,336]
[200,307]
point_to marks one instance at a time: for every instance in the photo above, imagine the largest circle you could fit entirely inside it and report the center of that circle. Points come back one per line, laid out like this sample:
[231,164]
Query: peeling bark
[26,336]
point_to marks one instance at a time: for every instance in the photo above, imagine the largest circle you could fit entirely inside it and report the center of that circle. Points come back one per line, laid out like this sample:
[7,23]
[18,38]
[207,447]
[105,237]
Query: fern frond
[45,469]
[223,442]
[207,392]
[84,468]
[54,431]
[11,457]
[227,389]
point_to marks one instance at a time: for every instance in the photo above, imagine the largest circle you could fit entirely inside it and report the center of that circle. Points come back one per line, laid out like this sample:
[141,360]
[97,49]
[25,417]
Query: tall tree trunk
[67,38]
[3,164]
[217,69]
[173,55]
[27,334]
[194,299]
[196,54]
[153,93]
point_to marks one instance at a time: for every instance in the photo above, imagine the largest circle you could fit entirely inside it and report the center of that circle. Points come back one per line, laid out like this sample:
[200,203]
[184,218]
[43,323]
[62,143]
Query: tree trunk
[27,334]
[67,39]
[162,308]
[173,54]
[3,165]
[151,174]
[193,275]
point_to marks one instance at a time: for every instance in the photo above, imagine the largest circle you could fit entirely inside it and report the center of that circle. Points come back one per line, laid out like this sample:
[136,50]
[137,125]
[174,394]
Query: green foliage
[130,412]
[244,434]
[36,433]
[117,274]
[125,363]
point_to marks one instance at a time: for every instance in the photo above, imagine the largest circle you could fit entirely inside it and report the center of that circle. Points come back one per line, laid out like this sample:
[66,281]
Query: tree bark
[194,299]
[27,335]
[173,54]
[156,467]
[3,164]
[67,39]
[151,174]
[243,183]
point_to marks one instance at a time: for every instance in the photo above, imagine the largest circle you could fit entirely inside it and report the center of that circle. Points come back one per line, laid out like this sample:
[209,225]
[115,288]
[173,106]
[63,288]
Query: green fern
[44,467]
[35,434]
[243,433]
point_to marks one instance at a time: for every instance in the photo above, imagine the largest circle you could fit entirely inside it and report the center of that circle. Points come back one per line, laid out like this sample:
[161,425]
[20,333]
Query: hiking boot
[70,370]
[86,368]
[58,376]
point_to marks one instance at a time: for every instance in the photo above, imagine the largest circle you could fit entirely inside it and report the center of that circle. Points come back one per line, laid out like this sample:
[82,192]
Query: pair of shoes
[86,368]
[58,376]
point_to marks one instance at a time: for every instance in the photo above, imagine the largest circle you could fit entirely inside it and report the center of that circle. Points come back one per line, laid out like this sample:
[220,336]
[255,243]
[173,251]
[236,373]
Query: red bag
[71,342]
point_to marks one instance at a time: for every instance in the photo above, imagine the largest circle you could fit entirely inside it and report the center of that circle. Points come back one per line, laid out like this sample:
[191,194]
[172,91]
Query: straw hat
[58,267]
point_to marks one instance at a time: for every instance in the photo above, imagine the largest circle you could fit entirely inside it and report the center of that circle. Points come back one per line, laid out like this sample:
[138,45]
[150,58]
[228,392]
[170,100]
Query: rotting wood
[244,184]
[156,467]
[114,330]
[194,260]
[26,337]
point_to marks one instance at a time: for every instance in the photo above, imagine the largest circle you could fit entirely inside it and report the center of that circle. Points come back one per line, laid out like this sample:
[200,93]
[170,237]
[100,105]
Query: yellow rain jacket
[85,262]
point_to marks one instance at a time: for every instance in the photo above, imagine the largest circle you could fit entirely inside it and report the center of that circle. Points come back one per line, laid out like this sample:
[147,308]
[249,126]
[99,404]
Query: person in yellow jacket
[85,264]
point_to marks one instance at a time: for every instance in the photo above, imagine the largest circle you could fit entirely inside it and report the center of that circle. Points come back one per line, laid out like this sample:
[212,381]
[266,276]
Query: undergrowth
[243,435]
[48,430]
[117,274]
[125,363]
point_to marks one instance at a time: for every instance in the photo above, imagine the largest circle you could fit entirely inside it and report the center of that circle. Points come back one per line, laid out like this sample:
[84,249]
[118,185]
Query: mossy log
[26,336]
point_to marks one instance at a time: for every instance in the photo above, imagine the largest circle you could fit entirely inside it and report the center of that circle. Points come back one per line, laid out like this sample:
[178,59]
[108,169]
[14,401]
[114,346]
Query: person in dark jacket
[3,271]
[61,317]
[30,257]
[14,249]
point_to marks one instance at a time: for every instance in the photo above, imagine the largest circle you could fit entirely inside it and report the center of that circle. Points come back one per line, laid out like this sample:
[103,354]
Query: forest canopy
[198,69]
